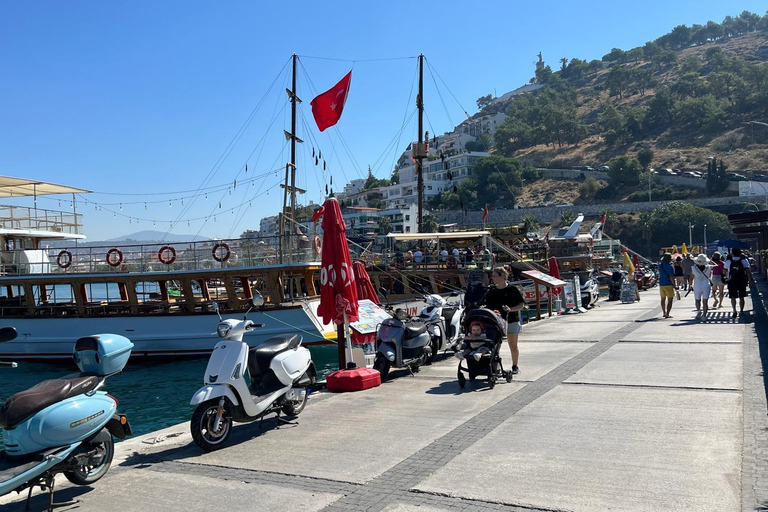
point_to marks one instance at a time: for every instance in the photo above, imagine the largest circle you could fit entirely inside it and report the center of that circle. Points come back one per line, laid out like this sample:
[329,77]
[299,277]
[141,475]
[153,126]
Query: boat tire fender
[111,261]
[166,254]
[451,262]
[215,252]
[64,259]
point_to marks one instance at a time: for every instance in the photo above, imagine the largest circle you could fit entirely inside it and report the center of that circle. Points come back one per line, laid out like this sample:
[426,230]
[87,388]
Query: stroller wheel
[508,375]
[492,382]
[462,380]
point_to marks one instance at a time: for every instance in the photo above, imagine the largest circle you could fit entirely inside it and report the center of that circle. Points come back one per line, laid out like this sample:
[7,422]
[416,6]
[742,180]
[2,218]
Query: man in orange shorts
[666,284]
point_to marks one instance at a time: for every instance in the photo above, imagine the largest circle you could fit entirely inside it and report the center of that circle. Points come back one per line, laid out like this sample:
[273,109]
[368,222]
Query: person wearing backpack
[739,276]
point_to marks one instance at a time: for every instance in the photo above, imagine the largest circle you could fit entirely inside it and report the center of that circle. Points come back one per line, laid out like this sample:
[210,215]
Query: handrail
[517,256]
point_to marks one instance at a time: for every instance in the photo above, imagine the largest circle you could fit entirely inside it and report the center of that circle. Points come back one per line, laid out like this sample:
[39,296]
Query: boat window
[216,289]
[148,291]
[54,294]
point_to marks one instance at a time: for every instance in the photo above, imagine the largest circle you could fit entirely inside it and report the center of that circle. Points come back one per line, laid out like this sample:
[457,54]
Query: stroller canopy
[488,318]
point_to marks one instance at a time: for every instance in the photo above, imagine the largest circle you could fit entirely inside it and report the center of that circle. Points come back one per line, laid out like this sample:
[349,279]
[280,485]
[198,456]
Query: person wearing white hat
[702,285]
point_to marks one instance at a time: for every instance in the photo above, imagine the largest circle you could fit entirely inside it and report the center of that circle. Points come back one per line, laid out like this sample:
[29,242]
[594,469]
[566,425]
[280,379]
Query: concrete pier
[615,409]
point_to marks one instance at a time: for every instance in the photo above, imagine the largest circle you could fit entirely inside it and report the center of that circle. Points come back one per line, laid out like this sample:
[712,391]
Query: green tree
[566,217]
[430,223]
[485,101]
[385,225]
[645,157]
[588,188]
[497,177]
[717,177]
[703,114]
[624,171]
[669,222]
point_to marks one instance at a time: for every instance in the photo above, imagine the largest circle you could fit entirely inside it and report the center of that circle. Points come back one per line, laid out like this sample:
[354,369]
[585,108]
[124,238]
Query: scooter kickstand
[281,421]
[48,485]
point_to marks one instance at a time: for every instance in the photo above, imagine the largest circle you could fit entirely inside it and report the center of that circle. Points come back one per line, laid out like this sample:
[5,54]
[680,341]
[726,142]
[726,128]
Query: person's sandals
[515,370]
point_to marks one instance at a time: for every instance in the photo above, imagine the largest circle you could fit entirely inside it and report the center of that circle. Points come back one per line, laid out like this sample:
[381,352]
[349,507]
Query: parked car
[666,172]
[603,168]
[563,204]
[693,174]
[733,176]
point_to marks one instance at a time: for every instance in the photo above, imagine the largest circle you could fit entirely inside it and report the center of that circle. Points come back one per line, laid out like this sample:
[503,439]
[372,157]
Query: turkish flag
[327,107]
[485,213]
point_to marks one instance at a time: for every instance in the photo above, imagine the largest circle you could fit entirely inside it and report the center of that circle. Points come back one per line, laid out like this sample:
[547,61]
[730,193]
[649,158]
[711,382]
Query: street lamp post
[705,238]
[690,234]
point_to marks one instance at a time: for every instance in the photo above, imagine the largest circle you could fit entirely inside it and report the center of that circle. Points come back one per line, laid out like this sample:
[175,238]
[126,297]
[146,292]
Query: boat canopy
[438,236]
[22,187]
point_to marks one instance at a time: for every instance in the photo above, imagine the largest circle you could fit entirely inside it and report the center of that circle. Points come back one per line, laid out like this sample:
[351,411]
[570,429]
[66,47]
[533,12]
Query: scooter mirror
[7,334]
[257,300]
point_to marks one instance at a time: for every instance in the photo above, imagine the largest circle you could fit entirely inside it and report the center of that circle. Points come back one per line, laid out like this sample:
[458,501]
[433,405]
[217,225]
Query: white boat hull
[161,335]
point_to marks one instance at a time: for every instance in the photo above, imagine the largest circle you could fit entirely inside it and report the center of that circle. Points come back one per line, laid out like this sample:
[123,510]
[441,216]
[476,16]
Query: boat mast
[420,153]
[289,216]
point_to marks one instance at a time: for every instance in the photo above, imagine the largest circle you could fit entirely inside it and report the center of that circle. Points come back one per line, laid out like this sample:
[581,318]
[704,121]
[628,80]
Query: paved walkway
[616,409]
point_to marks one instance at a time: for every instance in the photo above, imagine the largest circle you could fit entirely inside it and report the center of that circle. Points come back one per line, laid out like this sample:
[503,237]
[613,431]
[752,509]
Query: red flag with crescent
[327,107]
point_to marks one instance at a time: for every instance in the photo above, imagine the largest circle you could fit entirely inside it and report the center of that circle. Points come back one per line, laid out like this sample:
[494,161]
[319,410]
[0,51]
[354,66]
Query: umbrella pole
[347,342]
[340,337]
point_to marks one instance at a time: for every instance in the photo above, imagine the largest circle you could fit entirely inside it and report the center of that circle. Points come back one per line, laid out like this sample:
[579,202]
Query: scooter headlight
[390,355]
[223,330]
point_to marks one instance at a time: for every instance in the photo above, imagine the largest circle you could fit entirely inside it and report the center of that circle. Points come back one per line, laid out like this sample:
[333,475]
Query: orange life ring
[270,257]
[317,245]
[64,259]
[111,261]
[215,252]
[163,257]
[452,262]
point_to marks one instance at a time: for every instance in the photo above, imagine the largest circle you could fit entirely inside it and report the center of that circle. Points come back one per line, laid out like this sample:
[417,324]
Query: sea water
[153,394]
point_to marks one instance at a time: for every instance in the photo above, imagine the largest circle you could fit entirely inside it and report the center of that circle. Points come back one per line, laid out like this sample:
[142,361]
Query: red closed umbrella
[635,260]
[554,271]
[365,289]
[338,292]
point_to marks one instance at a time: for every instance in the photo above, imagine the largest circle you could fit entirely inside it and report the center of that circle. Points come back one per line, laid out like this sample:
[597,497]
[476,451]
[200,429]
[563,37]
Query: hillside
[692,94]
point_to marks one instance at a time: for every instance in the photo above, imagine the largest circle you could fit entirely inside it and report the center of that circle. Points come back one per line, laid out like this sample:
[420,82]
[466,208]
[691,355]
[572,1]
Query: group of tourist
[705,277]
[479,256]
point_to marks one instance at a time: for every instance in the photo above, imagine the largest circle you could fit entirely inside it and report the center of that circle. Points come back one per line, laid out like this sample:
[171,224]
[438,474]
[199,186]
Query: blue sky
[139,101]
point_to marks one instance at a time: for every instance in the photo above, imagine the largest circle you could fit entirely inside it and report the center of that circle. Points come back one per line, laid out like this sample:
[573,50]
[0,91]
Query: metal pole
[705,238]
[649,187]
[690,234]
[419,160]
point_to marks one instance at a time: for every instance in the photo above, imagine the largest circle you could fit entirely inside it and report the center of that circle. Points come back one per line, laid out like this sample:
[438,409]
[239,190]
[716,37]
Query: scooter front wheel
[202,426]
[381,364]
[86,475]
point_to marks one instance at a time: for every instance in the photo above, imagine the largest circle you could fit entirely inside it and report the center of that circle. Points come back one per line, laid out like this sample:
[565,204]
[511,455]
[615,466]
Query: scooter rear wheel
[203,420]
[295,408]
[86,475]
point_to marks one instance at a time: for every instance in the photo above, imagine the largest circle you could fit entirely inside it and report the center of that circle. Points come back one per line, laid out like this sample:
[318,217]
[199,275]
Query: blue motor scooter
[64,425]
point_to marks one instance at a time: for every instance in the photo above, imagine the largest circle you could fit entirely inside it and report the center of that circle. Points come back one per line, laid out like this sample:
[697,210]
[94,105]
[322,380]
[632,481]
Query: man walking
[739,275]
[666,284]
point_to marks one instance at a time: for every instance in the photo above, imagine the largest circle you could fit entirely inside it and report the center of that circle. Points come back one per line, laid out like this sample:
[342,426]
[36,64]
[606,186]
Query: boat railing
[22,217]
[154,257]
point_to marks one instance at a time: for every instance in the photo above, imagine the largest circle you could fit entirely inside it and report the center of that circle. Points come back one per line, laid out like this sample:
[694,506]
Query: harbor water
[154,394]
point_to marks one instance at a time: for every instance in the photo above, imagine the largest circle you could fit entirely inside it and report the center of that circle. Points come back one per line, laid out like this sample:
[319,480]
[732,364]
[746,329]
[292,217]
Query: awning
[21,187]
[456,235]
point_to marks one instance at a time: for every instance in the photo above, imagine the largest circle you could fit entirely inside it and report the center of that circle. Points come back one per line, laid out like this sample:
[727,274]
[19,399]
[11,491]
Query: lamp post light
[705,238]
[690,234]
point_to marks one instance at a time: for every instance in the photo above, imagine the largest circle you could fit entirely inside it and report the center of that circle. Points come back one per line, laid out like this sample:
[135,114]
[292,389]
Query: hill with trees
[694,93]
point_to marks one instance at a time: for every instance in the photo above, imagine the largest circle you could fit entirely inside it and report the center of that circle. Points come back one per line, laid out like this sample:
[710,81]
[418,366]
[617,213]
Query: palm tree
[566,217]
[430,223]
[530,222]
[385,225]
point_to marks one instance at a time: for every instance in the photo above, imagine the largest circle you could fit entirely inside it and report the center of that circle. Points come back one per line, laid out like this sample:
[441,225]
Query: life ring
[64,259]
[163,254]
[215,252]
[111,261]
[452,262]
[270,257]
[317,245]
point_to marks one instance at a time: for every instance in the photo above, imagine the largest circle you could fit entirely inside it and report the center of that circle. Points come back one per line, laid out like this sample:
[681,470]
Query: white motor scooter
[443,321]
[245,383]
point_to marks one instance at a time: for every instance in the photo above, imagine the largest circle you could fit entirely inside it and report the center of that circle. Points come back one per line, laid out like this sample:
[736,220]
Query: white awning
[456,235]
[22,187]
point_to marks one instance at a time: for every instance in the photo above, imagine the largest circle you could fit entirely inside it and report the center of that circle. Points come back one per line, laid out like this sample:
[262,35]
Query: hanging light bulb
[121,206]
[182,202]
[219,204]
[206,196]
[145,206]
[230,191]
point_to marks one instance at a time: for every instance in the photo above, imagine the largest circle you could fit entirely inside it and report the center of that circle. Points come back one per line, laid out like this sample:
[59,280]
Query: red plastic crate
[355,379]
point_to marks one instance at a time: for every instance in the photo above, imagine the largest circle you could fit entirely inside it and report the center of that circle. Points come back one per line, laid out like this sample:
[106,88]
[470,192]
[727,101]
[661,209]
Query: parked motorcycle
[590,292]
[618,278]
[64,426]
[443,321]
[245,383]
[402,342]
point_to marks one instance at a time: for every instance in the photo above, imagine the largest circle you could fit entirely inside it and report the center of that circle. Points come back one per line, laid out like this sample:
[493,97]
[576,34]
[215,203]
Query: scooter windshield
[388,331]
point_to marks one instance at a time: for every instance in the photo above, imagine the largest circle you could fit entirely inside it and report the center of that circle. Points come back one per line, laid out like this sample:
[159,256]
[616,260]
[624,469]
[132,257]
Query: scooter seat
[261,355]
[414,329]
[33,400]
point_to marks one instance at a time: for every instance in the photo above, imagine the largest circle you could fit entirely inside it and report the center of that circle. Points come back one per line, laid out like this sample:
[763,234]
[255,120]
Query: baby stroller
[489,365]
[477,289]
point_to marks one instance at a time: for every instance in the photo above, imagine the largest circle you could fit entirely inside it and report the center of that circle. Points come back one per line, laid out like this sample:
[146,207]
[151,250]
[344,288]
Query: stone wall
[550,214]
